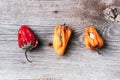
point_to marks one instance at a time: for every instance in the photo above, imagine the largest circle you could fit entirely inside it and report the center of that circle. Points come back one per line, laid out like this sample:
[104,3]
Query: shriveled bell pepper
[92,39]
[62,35]
[27,40]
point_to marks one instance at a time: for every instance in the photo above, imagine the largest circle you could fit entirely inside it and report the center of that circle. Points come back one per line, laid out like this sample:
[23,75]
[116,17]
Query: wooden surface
[42,16]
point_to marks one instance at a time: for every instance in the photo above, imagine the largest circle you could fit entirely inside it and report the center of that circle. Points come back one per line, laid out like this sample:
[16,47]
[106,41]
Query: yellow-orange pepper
[92,39]
[62,35]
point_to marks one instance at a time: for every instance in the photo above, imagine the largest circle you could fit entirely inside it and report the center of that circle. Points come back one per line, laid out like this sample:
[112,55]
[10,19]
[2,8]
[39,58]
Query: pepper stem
[64,24]
[97,49]
[26,56]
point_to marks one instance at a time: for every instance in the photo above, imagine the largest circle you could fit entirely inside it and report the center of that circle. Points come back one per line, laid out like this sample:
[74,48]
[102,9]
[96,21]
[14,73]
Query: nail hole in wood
[55,11]
[50,44]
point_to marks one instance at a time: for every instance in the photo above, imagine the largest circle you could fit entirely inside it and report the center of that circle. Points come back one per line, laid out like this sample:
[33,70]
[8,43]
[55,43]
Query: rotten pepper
[62,35]
[92,39]
[27,40]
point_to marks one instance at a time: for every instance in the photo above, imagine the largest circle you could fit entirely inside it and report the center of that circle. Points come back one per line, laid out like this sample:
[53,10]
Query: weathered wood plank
[42,16]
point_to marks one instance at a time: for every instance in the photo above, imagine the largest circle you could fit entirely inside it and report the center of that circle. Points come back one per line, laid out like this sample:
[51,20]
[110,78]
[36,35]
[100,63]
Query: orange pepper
[92,39]
[62,35]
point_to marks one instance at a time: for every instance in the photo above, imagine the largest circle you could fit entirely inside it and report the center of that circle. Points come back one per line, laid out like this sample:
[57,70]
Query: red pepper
[27,40]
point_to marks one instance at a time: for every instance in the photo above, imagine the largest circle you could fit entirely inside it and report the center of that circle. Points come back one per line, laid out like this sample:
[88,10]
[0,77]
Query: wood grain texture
[42,16]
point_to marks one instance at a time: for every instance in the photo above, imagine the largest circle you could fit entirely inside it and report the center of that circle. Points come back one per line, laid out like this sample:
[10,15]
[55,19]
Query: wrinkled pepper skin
[62,35]
[94,41]
[27,39]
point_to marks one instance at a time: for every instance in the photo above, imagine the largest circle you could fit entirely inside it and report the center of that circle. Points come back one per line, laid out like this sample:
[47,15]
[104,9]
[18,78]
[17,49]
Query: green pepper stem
[26,56]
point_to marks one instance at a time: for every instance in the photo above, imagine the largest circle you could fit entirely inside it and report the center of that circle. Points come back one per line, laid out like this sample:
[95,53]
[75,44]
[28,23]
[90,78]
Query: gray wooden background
[42,16]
